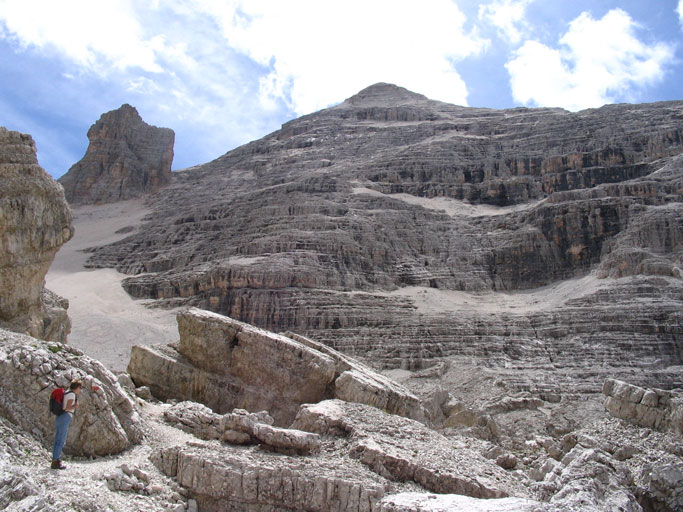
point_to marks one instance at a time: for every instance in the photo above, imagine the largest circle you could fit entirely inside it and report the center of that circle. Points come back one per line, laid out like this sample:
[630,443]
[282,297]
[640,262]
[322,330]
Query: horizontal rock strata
[338,224]
[35,221]
[226,364]
[242,481]
[30,369]
[650,408]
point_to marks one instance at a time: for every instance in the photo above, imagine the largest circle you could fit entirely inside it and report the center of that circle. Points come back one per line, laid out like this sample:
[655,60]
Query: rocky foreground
[520,351]
[336,454]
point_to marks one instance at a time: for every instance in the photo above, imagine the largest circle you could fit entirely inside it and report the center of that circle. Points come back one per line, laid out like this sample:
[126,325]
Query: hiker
[70,403]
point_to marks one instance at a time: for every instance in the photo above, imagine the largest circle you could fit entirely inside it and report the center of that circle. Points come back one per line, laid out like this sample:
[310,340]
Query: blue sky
[223,72]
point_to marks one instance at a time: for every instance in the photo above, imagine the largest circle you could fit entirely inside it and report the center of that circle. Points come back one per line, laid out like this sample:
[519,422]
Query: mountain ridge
[318,226]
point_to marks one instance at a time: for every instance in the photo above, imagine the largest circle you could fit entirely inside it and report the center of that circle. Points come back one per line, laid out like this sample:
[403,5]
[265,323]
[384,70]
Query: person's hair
[75,384]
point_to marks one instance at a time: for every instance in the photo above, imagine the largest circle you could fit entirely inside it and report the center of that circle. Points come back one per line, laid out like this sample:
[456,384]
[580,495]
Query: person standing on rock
[62,422]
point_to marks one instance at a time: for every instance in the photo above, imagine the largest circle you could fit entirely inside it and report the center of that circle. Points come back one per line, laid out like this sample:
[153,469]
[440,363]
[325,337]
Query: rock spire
[126,158]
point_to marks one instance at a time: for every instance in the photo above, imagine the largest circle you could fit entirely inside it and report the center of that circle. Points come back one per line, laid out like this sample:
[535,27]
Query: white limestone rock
[30,369]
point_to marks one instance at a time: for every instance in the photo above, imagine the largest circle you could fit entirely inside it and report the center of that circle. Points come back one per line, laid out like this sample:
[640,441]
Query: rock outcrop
[35,221]
[226,364]
[411,231]
[126,158]
[650,408]
[242,480]
[341,476]
[30,369]
[241,427]
[404,450]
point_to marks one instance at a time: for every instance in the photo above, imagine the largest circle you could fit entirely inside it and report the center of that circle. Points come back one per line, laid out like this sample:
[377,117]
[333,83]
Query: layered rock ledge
[410,231]
[650,408]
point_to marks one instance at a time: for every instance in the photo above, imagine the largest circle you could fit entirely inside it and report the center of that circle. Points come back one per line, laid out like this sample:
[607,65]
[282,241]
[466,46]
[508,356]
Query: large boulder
[106,421]
[645,407]
[35,221]
[227,364]
[126,158]
[356,382]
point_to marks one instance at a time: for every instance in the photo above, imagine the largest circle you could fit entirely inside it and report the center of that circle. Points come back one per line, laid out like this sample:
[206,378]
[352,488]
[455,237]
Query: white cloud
[233,69]
[679,9]
[96,35]
[598,62]
[508,16]
[318,52]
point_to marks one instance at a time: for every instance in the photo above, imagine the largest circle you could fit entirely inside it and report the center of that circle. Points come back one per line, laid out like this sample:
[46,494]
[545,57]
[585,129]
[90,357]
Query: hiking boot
[57,464]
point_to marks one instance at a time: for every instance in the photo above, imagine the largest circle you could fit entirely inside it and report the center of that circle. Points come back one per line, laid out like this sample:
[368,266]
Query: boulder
[126,158]
[105,422]
[588,479]
[35,221]
[226,364]
[646,407]
[356,382]
[661,487]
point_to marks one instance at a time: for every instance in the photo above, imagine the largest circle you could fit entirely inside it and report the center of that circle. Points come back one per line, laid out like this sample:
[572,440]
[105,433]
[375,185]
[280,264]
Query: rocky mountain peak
[384,95]
[117,122]
[126,158]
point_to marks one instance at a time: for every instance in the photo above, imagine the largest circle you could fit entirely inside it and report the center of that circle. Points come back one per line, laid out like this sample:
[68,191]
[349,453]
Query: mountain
[545,244]
[126,158]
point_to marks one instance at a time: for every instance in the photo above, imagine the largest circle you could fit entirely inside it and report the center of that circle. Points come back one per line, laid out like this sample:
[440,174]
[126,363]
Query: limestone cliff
[126,158]
[409,230]
[35,221]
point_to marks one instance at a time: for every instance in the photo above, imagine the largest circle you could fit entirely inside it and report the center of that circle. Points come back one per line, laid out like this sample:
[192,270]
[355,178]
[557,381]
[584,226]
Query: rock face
[126,158]
[392,226]
[226,364]
[30,369]
[35,221]
[650,408]
[245,481]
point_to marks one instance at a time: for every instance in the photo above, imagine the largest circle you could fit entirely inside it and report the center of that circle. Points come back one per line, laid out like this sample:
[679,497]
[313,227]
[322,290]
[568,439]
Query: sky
[221,73]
